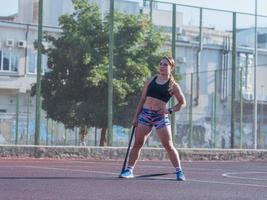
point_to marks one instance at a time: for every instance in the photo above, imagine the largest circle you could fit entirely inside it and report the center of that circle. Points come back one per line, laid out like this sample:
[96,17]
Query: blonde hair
[171,79]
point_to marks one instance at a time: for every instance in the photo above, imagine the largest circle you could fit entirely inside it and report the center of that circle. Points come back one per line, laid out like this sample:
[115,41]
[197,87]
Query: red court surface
[40,179]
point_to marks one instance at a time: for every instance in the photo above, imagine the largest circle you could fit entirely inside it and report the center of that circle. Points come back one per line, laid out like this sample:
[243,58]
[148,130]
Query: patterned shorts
[151,118]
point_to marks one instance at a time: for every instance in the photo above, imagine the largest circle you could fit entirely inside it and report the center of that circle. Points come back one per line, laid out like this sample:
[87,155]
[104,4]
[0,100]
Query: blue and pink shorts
[151,118]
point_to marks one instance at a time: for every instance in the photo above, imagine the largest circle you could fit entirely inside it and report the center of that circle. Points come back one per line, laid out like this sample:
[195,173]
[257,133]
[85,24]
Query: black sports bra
[158,91]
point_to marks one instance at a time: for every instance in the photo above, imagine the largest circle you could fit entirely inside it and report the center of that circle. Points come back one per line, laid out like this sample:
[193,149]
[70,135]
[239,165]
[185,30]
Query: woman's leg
[165,137]
[141,134]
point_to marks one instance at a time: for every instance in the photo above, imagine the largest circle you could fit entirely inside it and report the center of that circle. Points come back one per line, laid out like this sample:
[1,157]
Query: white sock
[178,169]
[130,168]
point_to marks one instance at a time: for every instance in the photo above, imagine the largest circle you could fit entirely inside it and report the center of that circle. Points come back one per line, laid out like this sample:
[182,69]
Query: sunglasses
[163,64]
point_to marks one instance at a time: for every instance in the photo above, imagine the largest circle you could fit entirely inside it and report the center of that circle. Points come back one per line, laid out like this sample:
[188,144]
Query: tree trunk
[83,133]
[103,138]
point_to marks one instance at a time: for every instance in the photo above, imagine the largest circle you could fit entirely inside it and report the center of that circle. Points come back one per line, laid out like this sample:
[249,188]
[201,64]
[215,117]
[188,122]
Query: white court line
[139,166]
[233,175]
[73,170]
[228,183]
[147,166]
[190,180]
[216,182]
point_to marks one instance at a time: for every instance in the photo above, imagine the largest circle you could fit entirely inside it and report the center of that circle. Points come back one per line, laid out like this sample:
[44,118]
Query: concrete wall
[118,153]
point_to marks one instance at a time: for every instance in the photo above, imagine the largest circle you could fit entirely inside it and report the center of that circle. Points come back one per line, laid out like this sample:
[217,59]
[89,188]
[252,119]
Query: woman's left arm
[181,102]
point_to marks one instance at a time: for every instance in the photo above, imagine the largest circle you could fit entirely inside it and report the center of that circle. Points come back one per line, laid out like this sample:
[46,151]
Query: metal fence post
[173,118]
[110,73]
[17,118]
[39,71]
[233,82]
[191,112]
[241,109]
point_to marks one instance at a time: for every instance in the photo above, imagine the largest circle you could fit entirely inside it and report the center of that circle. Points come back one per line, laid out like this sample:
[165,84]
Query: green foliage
[75,89]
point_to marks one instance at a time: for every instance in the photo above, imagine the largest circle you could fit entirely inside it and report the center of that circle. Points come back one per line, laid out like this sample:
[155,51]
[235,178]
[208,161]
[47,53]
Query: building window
[262,38]
[14,63]
[32,63]
[8,61]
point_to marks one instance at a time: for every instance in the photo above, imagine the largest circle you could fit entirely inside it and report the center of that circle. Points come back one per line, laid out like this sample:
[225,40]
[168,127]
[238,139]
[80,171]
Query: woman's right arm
[141,103]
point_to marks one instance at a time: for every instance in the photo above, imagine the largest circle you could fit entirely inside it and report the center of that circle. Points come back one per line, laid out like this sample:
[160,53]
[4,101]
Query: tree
[79,49]
[74,91]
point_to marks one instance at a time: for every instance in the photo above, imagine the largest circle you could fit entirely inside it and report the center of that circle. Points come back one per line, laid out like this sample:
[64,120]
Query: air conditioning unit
[22,44]
[10,43]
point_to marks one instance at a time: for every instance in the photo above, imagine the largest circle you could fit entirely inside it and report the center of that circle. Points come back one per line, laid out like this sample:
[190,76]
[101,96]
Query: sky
[8,7]
[191,16]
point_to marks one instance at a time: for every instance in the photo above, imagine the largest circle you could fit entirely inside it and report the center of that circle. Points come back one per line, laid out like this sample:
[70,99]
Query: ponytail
[171,84]
[171,79]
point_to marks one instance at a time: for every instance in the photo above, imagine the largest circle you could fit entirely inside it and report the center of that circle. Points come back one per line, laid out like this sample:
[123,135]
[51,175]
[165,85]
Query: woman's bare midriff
[154,104]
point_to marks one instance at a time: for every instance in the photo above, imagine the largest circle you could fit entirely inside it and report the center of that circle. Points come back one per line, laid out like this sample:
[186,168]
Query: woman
[151,111]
